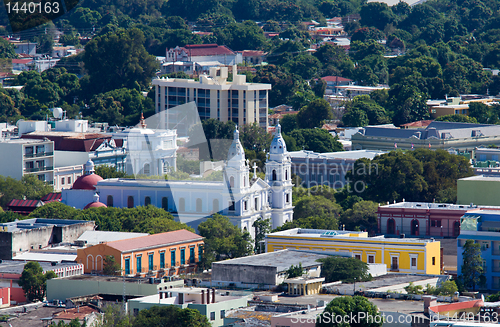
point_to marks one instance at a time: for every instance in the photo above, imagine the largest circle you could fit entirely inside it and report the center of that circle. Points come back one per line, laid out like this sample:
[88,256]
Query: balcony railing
[39,154]
[35,169]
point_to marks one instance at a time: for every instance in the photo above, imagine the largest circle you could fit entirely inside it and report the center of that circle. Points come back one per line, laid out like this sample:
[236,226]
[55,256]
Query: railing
[29,155]
[35,169]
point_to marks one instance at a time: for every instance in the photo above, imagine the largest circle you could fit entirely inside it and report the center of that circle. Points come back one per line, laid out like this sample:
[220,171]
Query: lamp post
[354,287]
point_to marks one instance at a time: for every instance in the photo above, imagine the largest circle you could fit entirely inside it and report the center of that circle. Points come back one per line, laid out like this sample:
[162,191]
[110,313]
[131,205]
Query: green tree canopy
[223,240]
[317,140]
[457,118]
[132,67]
[34,282]
[314,113]
[364,111]
[350,307]
[170,315]
[29,186]
[336,268]
[472,265]
[362,216]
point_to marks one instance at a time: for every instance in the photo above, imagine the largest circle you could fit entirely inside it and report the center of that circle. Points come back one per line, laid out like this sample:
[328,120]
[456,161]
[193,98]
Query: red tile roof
[80,313]
[420,123]
[155,240]
[280,115]
[24,207]
[457,306]
[207,50]
[84,142]
[52,197]
[21,61]
[335,79]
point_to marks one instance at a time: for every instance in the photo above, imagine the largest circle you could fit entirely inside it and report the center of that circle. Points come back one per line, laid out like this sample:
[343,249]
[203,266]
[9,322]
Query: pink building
[421,219]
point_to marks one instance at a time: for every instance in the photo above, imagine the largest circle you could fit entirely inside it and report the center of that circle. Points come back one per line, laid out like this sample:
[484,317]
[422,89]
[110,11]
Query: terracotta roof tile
[195,50]
[457,306]
[70,314]
[420,123]
[148,241]
[335,79]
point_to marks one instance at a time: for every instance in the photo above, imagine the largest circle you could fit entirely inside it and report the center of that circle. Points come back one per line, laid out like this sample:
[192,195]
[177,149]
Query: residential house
[85,315]
[169,253]
[333,81]
[253,57]
[214,305]
[25,48]
[24,64]
[204,52]
[407,255]
[354,90]
[215,97]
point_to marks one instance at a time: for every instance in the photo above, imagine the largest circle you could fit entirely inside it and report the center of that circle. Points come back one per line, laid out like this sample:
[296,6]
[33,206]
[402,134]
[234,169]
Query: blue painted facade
[482,226]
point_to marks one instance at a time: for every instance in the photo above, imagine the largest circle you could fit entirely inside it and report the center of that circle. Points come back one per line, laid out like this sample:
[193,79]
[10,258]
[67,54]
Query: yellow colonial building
[406,255]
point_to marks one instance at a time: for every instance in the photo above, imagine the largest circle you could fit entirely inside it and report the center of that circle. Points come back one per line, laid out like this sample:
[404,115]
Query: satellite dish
[57,112]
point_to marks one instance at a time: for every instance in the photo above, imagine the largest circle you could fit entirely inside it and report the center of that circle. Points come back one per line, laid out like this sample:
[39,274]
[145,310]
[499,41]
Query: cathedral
[238,197]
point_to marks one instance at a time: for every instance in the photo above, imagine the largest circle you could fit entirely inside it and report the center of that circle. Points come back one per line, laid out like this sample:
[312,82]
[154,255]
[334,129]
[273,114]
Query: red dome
[95,205]
[86,182]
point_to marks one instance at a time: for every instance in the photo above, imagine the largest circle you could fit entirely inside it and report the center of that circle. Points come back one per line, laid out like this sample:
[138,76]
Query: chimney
[202,296]
[208,296]
[213,295]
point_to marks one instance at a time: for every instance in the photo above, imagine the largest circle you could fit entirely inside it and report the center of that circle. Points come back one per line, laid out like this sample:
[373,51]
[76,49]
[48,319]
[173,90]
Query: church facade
[242,199]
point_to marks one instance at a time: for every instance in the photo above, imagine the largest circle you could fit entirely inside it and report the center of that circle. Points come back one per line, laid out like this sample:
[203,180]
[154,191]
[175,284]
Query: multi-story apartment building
[215,97]
[24,156]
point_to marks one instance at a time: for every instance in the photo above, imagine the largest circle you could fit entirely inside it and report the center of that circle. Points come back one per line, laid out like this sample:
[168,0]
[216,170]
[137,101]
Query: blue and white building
[236,196]
[483,226]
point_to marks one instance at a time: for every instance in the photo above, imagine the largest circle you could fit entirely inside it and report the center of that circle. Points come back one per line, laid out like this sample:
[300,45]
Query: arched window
[147,169]
[414,227]
[130,202]
[456,229]
[274,175]
[391,226]
[109,201]
[164,203]
[286,174]
[231,181]
[215,205]
[182,205]
[198,205]
[147,200]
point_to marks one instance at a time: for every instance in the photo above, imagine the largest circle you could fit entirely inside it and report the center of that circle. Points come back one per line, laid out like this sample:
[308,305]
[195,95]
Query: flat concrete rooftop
[17,267]
[283,259]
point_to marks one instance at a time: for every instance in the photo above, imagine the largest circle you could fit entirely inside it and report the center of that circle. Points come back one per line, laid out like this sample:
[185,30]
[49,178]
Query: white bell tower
[278,176]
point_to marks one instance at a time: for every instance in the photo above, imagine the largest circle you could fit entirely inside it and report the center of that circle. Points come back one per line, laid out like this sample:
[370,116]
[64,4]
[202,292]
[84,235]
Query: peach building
[157,255]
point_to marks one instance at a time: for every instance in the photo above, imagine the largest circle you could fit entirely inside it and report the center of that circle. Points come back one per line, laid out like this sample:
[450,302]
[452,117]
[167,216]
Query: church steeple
[236,152]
